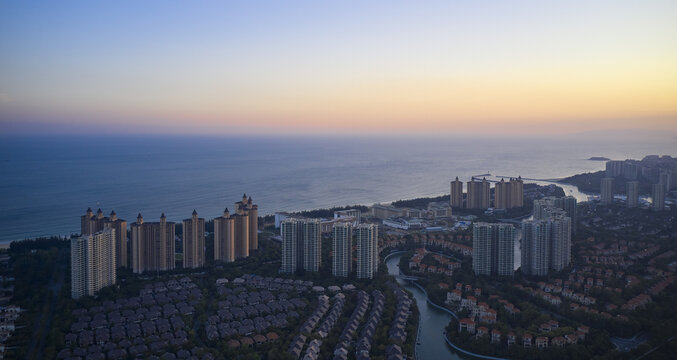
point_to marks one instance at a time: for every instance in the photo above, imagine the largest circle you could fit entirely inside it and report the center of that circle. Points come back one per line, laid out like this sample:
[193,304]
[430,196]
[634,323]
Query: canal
[431,344]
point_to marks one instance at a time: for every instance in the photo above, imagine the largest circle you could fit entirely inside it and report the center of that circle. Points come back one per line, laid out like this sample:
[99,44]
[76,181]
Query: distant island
[598,158]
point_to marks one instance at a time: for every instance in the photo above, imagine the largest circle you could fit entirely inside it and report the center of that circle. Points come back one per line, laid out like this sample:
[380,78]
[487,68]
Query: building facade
[92,263]
[153,247]
[224,238]
[456,194]
[614,168]
[544,208]
[301,245]
[560,238]
[481,249]
[493,249]
[193,242]
[290,232]
[570,205]
[516,188]
[90,224]
[367,251]
[606,195]
[535,247]
[312,245]
[342,246]
[546,240]
[354,214]
[241,222]
[632,194]
[247,208]
[503,258]
[478,194]
[658,197]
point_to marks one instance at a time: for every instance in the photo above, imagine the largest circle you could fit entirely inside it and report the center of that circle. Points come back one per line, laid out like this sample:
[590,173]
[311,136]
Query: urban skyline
[433,180]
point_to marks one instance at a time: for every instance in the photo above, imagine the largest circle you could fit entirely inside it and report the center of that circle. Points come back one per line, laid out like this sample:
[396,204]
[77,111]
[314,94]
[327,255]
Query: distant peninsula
[598,158]
[646,171]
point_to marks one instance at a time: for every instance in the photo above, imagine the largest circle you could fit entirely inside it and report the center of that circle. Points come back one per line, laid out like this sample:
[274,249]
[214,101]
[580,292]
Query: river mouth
[430,340]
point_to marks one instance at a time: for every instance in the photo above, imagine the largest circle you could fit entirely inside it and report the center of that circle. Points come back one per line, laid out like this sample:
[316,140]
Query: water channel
[431,343]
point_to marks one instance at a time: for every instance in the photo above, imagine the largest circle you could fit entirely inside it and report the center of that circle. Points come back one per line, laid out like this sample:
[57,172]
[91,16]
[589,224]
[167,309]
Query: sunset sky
[315,67]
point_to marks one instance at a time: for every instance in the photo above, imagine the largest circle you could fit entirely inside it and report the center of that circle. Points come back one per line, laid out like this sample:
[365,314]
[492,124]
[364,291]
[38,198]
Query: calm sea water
[46,183]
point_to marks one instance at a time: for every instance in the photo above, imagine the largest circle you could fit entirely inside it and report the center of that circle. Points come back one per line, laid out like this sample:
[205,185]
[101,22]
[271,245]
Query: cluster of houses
[297,344]
[446,266]
[313,350]
[366,338]
[541,342]
[398,332]
[426,240]
[269,283]
[333,316]
[637,302]
[479,310]
[633,251]
[481,313]
[146,326]
[341,350]
[645,298]
[8,315]
[244,313]
[577,301]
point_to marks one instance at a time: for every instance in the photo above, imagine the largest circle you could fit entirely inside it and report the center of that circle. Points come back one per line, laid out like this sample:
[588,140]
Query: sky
[344,67]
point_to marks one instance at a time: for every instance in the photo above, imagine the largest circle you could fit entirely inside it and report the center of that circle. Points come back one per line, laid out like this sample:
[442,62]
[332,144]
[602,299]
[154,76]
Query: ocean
[46,183]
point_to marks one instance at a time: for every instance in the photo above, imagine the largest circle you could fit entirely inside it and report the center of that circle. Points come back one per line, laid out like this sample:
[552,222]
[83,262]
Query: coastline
[572,189]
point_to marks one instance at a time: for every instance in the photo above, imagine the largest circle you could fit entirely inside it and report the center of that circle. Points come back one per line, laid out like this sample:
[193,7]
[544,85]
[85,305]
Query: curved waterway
[430,342]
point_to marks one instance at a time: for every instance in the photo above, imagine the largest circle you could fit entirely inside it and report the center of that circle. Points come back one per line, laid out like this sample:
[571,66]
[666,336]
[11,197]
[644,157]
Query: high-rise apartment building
[665,177]
[367,251]
[535,247]
[614,168]
[90,224]
[560,234]
[493,249]
[632,194]
[241,222]
[92,262]
[224,238]
[630,170]
[193,242]
[516,187]
[501,195]
[546,240]
[569,204]
[312,245]
[290,231]
[658,196]
[456,194]
[478,194]
[301,245]
[503,249]
[342,246]
[508,195]
[481,249]
[251,210]
[153,246]
[607,191]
